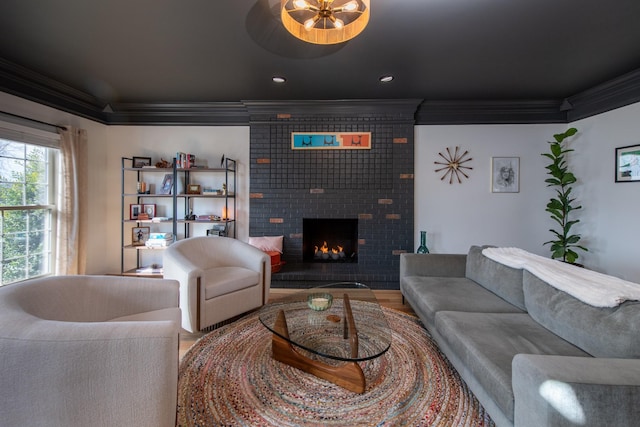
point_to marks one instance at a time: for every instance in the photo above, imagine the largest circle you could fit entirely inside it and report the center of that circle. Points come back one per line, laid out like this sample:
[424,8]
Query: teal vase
[423,249]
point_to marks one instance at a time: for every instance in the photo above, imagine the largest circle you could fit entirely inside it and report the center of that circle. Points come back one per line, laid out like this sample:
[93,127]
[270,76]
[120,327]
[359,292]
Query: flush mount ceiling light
[325,21]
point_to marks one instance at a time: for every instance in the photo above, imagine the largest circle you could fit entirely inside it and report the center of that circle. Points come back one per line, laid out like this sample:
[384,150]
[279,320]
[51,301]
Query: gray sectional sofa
[533,355]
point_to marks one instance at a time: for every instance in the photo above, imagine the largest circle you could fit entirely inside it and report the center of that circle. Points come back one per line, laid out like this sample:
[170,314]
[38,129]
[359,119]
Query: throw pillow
[267,243]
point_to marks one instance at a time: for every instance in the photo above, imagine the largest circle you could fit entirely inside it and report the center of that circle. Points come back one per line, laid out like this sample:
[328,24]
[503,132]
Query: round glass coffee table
[341,323]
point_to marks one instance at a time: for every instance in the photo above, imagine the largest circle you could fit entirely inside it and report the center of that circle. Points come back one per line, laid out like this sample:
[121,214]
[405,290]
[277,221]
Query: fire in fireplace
[329,240]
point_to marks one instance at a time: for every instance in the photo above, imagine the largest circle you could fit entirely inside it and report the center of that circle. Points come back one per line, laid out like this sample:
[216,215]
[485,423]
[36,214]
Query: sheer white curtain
[72,203]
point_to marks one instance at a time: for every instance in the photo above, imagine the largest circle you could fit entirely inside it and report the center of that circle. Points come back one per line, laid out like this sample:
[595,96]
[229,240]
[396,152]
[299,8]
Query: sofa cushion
[506,282]
[487,342]
[223,280]
[428,295]
[602,332]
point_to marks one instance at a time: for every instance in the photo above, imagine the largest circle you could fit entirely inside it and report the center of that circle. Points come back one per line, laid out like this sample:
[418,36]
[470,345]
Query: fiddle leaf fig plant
[562,206]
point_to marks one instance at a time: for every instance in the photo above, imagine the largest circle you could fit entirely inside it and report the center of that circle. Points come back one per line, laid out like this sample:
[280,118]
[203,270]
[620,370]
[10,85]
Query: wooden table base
[349,375]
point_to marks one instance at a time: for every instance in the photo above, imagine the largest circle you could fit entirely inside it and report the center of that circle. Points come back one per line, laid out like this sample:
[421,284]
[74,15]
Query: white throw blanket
[590,287]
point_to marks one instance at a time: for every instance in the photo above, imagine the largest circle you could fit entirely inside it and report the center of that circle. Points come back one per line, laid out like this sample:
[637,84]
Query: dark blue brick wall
[376,186]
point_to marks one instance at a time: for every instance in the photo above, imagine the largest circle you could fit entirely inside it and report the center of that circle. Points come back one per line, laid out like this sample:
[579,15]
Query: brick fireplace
[372,187]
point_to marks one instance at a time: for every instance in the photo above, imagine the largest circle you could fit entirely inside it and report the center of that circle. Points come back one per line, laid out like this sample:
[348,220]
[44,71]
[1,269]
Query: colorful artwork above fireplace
[330,140]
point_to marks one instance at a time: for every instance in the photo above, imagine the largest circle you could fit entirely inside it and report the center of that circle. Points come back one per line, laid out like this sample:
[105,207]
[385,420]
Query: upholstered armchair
[89,351]
[219,277]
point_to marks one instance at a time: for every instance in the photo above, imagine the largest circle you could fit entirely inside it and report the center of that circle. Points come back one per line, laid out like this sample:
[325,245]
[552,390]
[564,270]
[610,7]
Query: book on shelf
[158,243]
[150,269]
[185,160]
[160,218]
[167,235]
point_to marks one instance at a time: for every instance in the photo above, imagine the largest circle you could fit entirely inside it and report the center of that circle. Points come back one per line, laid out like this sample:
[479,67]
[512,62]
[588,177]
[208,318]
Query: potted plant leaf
[562,206]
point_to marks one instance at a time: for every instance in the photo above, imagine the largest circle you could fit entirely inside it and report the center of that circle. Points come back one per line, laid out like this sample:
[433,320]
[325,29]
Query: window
[27,210]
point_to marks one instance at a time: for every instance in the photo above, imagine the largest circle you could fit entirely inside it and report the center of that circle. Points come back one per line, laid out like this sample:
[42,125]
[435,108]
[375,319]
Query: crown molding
[615,93]
[490,112]
[22,82]
[188,113]
[396,110]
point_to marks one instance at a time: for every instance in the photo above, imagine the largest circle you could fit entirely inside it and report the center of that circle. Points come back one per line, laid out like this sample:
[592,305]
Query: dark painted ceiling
[84,54]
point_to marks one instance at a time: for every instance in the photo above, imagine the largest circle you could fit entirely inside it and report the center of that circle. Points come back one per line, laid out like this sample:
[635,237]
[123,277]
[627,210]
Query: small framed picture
[139,235]
[194,189]
[505,174]
[149,209]
[167,184]
[140,162]
[628,163]
[135,211]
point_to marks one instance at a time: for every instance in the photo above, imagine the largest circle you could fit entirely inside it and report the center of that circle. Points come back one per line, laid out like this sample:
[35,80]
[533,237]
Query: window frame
[49,141]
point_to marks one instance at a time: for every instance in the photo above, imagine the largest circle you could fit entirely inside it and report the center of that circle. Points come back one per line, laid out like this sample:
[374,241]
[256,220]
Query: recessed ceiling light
[278,79]
[386,79]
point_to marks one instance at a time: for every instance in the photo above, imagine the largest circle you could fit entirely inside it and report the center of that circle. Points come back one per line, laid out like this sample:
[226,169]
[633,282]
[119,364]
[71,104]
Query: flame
[324,248]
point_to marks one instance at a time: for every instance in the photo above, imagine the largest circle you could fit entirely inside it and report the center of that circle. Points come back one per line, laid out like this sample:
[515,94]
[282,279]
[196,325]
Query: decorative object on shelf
[628,163]
[218,230]
[454,165]
[140,162]
[562,205]
[167,184]
[194,189]
[149,209]
[139,235]
[423,249]
[505,174]
[142,188]
[330,140]
[325,22]
[163,164]
[319,301]
[134,211]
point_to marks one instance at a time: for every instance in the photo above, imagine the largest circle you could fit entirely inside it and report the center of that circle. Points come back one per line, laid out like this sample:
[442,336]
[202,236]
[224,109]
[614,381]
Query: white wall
[455,215]
[459,215]
[611,211]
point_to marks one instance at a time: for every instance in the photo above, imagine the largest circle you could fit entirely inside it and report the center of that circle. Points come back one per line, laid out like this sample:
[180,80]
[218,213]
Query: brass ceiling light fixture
[325,21]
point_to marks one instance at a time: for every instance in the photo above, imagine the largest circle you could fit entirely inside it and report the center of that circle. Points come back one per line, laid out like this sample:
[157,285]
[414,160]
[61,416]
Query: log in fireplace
[330,240]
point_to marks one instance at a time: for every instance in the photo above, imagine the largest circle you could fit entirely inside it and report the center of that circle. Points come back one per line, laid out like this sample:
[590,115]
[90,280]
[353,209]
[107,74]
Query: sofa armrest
[570,391]
[434,265]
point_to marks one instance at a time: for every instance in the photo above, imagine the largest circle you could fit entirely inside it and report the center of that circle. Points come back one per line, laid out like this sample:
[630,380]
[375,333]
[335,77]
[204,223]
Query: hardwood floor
[386,298]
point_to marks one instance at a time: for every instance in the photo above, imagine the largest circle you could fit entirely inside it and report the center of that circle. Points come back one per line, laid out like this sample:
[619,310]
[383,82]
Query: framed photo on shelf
[505,174]
[140,162]
[139,235]
[628,163]
[149,209]
[135,211]
[194,189]
[167,184]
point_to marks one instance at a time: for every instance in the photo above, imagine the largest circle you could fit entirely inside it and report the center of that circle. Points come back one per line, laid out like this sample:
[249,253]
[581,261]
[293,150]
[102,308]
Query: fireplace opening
[329,240]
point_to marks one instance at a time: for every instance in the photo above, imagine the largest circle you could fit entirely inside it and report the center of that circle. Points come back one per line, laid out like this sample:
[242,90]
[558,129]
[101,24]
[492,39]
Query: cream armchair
[89,351]
[219,277]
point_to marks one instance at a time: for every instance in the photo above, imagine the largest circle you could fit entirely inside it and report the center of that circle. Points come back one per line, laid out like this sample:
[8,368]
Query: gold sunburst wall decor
[453,165]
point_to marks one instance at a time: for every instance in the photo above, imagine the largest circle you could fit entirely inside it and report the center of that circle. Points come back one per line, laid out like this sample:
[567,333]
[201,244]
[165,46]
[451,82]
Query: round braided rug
[228,378]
